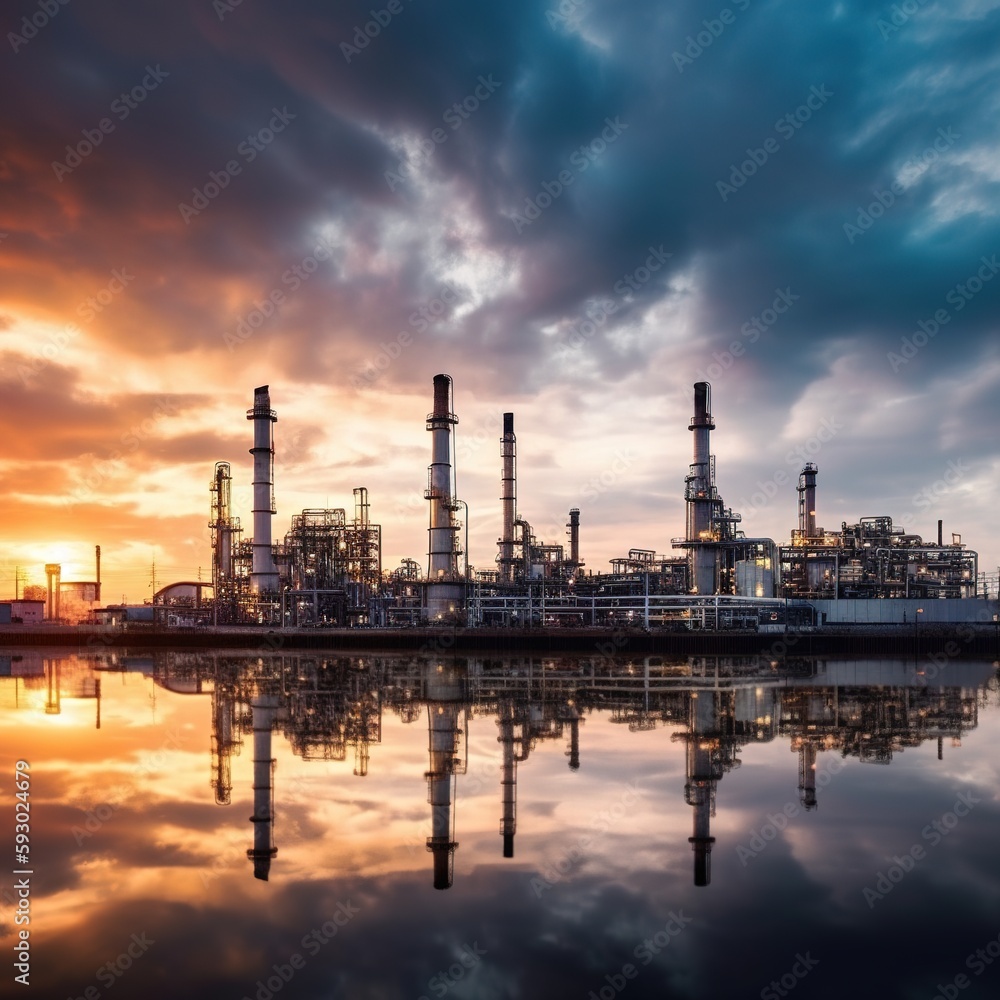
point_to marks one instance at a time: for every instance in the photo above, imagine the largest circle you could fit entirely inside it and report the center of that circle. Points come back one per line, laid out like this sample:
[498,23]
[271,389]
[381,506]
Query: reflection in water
[134,842]
[324,706]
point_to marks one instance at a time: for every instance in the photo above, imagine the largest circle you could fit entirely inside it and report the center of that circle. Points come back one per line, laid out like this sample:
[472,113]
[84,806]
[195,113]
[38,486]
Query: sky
[575,209]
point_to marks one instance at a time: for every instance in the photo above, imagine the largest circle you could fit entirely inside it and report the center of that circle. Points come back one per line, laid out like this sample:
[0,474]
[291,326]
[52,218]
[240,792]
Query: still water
[284,826]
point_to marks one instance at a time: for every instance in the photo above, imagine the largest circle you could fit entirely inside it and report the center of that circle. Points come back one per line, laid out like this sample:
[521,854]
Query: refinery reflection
[326,707]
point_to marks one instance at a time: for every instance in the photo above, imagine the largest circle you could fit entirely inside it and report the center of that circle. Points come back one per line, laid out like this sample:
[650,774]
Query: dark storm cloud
[825,158]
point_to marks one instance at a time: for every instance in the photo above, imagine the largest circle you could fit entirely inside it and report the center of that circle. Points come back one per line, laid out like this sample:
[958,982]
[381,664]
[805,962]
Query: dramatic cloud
[576,209]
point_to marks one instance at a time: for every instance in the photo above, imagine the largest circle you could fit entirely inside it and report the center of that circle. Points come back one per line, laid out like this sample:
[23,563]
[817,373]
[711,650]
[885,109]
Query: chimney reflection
[445,694]
[325,707]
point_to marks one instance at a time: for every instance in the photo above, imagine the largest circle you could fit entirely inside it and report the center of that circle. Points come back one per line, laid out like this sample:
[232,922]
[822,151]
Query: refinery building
[326,570]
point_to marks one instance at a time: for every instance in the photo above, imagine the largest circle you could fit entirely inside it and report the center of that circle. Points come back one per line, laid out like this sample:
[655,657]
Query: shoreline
[958,641]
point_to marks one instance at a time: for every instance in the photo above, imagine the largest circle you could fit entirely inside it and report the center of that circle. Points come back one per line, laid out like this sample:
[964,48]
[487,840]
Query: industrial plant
[327,569]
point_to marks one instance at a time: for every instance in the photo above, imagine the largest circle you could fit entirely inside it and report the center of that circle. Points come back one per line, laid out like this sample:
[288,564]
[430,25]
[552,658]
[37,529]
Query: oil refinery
[327,569]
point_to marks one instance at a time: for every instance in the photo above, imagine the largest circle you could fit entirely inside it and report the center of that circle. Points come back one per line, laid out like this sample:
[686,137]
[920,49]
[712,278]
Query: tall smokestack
[940,532]
[508,778]
[445,691]
[508,497]
[97,557]
[807,500]
[702,777]
[444,589]
[574,537]
[700,492]
[264,574]
[263,707]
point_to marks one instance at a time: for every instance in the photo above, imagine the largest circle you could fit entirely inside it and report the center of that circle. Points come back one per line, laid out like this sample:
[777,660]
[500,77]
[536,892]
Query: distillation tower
[445,588]
[264,574]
